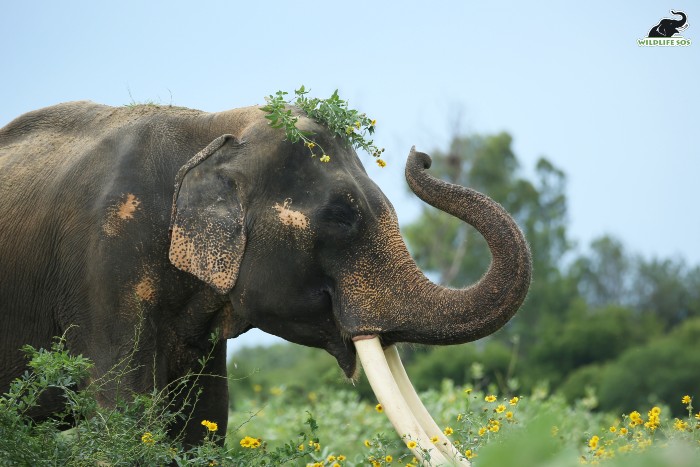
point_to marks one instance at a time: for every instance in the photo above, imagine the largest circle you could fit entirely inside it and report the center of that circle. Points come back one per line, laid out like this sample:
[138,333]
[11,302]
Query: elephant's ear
[207,236]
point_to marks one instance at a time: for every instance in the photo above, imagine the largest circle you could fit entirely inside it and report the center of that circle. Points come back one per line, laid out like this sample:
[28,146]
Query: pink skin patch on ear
[291,218]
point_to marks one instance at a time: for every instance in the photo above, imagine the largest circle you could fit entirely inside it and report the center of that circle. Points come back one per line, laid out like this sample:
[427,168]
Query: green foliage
[490,429]
[587,336]
[655,373]
[262,373]
[493,430]
[488,365]
[349,125]
[132,432]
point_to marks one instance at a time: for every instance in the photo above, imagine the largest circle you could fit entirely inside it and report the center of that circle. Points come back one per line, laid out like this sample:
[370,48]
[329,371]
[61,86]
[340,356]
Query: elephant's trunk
[407,307]
[400,304]
[681,23]
[464,315]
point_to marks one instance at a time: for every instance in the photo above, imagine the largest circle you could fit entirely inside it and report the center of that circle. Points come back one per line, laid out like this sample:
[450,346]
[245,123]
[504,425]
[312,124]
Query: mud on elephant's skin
[190,223]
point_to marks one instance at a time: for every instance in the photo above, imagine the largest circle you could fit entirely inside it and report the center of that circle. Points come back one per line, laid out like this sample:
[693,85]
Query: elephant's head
[668,27]
[312,252]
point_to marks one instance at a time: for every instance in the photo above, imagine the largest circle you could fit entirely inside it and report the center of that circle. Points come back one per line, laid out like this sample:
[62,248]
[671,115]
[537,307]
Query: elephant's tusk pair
[404,409]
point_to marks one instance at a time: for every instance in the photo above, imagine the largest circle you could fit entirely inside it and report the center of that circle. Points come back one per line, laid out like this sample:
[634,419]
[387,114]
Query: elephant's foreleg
[207,396]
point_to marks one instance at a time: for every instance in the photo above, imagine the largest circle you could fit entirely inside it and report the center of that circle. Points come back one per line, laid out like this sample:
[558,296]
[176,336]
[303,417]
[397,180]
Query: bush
[654,373]
[133,432]
[585,337]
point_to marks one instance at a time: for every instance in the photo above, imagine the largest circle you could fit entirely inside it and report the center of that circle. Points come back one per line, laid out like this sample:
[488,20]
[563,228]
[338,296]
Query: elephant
[188,223]
[668,27]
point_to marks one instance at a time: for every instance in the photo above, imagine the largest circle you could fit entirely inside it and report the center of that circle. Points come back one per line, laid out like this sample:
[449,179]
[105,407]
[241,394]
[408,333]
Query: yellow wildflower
[509,415]
[686,399]
[317,447]
[301,447]
[373,123]
[250,443]
[459,417]
[379,408]
[388,459]
[613,429]
[148,439]
[623,431]
[482,431]
[514,400]
[448,431]
[468,391]
[411,444]
[381,163]
[636,419]
[500,409]
[341,457]
[310,144]
[697,416]
[490,398]
[655,411]
[331,458]
[349,130]
[358,124]
[434,439]
[680,425]
[368,444]
[335,464]
[495,427]
[325,158]
[469,454]
[593,442]
[211,426]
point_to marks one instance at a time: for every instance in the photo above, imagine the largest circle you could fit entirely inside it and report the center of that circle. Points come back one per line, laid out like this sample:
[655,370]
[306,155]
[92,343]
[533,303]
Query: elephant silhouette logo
[668,27]
[667,32]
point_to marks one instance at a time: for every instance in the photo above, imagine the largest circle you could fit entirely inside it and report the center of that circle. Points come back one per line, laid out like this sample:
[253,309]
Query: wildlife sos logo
[666,33]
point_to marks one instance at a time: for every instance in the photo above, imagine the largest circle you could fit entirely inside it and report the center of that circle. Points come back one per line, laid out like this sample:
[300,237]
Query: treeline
[618,329]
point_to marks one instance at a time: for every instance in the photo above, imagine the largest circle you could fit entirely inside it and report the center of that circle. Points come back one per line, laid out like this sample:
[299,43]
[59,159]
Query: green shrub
[654,373]
[133,432]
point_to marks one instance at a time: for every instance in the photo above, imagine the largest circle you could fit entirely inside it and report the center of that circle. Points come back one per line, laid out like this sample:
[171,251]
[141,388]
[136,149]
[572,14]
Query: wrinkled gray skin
[184,223]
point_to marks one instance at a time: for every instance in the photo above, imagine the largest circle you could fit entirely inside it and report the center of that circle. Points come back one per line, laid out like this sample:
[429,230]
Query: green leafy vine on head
[350,125]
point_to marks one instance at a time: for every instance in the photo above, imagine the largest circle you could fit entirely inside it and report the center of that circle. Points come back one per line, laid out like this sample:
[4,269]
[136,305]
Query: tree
[604,276]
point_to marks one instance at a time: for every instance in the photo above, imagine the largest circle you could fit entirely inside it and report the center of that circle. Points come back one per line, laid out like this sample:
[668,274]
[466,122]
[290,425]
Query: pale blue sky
[566,79]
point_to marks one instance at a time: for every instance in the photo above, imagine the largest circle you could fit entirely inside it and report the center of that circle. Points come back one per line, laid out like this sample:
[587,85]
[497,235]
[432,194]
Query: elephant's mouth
[346,356]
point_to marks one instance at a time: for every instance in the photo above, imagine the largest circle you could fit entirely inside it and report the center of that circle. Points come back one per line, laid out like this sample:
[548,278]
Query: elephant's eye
[339,214]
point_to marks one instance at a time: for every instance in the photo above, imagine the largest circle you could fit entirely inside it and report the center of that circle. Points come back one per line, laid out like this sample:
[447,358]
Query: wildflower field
[331,427]
[491,429]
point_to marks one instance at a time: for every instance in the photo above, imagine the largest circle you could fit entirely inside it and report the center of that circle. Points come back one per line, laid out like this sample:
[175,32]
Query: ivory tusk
[418,409]
[388,394]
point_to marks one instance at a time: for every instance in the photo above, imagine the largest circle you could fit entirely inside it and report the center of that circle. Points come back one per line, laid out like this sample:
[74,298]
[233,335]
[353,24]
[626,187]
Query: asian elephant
[668,27]
[189,223]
